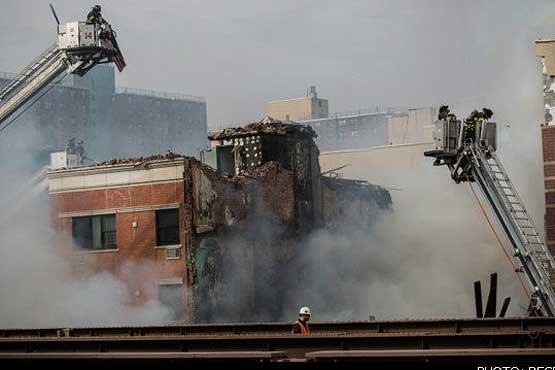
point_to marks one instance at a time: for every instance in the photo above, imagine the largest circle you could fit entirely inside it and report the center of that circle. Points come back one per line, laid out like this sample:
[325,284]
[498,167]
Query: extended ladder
[44,70]
[80,47]
[528,248]
[27,73]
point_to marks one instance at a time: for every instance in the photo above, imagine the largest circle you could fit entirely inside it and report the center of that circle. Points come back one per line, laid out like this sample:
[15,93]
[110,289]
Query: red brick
[136,246]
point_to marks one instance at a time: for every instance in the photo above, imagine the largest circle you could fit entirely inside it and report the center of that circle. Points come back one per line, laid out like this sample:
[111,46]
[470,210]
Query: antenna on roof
[54,13]
[311,93]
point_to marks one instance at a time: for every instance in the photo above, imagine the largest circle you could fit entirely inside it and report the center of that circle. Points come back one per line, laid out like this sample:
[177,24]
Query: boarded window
[94,232]
[167,227]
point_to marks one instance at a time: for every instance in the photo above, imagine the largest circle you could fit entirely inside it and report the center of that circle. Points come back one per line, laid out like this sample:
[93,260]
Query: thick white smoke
[418,261]
[37,286]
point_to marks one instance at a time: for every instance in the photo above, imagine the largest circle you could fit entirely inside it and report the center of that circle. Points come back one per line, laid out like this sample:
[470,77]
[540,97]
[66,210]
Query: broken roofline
[125,164]
[131,164]
[268,126]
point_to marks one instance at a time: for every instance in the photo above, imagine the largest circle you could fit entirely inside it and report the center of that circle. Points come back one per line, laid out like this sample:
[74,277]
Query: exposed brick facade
[211,207]
[238,235]
[135,245]
[548,144]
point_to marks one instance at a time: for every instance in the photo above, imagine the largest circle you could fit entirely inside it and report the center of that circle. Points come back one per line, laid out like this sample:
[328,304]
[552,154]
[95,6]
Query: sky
[359,54]
[239,55]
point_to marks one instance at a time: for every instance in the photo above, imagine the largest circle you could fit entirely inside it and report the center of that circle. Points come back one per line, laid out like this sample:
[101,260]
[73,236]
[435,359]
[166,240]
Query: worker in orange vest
[301,325]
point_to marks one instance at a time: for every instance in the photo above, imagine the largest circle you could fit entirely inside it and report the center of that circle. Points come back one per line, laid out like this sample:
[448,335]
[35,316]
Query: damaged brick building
[215,241]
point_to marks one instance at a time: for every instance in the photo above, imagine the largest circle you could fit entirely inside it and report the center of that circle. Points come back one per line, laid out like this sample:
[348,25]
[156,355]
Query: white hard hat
[304,311]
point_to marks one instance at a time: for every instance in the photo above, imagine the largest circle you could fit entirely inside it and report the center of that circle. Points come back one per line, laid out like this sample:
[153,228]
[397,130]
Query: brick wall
[548,144]
[136,261]
[251,220]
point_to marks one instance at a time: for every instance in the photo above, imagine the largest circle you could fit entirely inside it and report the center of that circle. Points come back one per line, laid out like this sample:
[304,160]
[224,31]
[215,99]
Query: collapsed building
[215,240]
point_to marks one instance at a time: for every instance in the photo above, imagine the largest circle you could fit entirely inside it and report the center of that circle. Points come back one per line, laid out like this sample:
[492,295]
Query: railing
[359,112]
[159,94]
[62,83]
[8,75]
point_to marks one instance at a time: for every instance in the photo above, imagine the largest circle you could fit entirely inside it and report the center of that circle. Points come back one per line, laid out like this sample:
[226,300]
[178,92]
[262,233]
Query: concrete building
[145,122]
[211,245]
[357,129]
[351,130]
[385,164]
[545,49]
[63,113]
[364,128]
[414,127]
[116,122]
[299,109]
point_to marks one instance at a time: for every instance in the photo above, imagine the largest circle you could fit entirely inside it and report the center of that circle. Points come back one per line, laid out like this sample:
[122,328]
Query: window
[167,227]
[94,232]
[171,296]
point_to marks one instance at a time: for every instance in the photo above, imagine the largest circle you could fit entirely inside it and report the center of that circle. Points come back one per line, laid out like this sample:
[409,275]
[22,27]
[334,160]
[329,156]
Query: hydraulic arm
[468,150]
[79,48]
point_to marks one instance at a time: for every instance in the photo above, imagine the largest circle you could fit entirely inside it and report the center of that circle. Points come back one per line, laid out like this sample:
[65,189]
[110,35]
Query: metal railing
[160,94]
[359,112]
[8,75]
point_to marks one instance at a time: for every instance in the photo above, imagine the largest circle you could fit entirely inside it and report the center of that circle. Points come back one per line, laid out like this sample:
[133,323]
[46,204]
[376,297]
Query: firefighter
[301,325]
[443,112]
[483,119]
[469,130]
[95,15]
[488,113]
[70,147]
[80,150]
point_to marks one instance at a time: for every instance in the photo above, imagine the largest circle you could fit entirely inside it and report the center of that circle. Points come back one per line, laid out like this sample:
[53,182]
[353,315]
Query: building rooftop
[268,125]
[124,162]
[159,94]
[140,160]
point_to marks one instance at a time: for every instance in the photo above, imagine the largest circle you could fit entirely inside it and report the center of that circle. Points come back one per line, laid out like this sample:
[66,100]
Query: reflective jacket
[94,16]
[300,328]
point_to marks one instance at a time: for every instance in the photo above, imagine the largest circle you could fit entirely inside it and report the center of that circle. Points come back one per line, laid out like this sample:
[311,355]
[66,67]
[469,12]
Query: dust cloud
[37,287]
[417,261]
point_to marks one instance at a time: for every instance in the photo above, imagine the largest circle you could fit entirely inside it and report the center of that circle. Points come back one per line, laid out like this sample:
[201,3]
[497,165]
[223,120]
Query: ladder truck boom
[80,47]
[470,157]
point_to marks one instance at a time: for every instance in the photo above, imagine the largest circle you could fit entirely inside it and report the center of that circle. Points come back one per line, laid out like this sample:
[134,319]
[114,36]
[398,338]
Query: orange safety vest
[304,327]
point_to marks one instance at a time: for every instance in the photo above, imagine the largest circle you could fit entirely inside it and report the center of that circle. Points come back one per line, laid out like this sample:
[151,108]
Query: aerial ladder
[80,47]
[470,156]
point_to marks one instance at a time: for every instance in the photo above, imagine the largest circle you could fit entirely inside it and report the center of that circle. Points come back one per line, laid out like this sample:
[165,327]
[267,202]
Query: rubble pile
[266,168]
[140,160]
[268,126]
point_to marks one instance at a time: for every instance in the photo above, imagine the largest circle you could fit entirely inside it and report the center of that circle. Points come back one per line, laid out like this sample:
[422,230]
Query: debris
[138,161]
[268,125]
[491,304]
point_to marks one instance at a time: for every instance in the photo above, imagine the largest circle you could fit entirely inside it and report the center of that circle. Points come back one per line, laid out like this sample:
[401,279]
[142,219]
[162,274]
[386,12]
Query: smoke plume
[37,287]
[417,261]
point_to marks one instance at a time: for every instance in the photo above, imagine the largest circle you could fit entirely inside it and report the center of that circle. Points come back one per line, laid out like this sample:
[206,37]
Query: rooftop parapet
[160,94]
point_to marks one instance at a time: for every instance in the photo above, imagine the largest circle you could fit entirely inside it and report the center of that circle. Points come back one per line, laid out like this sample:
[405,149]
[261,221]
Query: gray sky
[239,55]
[242,54]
